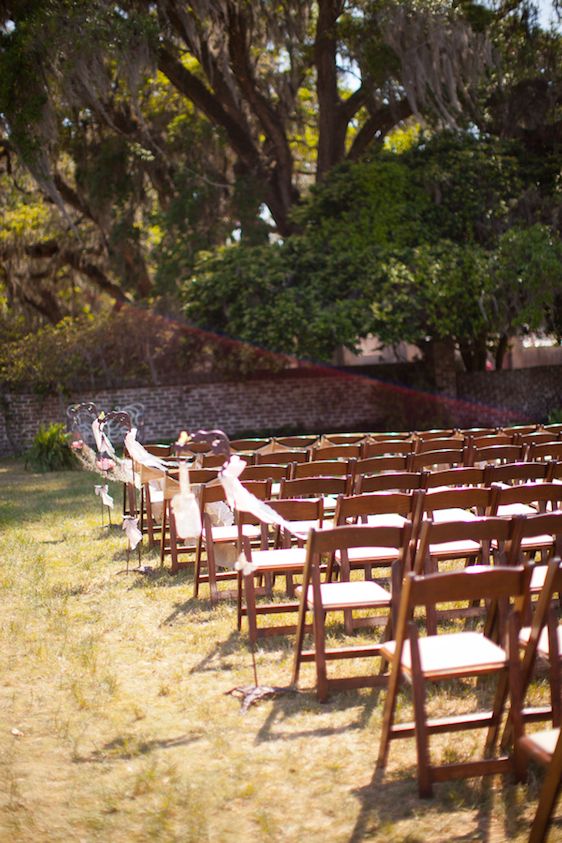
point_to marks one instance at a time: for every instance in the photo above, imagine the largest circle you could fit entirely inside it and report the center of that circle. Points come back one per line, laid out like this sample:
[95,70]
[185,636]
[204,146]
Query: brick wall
[336,401]
[528,393]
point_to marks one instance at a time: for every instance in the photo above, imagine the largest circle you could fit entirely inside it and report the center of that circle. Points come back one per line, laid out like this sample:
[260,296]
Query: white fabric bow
[102,492]
[186,508]
[131,527]
[140,454]
[240,498]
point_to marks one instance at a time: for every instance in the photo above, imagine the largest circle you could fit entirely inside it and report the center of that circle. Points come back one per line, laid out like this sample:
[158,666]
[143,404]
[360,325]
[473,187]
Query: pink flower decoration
[77,444]
[105,463]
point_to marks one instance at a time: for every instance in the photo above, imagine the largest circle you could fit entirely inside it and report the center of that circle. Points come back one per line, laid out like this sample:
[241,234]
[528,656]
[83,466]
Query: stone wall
[296,401]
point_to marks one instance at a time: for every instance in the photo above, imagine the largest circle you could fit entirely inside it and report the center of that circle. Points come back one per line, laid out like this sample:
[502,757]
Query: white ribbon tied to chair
[185,508]
[131,527]
[140,454]
[102,492]
[240,498]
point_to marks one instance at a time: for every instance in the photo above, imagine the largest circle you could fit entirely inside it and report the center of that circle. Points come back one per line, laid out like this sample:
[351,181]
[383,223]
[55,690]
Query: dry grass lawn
[115,725]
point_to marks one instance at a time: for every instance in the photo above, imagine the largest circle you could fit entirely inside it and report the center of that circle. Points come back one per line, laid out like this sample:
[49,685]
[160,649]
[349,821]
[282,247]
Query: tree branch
[377,126]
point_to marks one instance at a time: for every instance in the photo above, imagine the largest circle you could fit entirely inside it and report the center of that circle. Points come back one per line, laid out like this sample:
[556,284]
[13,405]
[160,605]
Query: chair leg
[554,668]
[388,714]
[319,631]
[163,533]
[422,739]
[301,625]
[212,572]
[197,573]
[173,544]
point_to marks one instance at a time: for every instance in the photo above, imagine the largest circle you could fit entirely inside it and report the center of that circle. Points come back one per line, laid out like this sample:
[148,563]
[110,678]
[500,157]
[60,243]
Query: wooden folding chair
[467,540]
[393,481]
[389,509]
[460,476]
[345,596]
[328,488]
[251,444]
[538,437]
[536,533]
[392,435]
[387,447]
[280,560]
[211,460]
[298,442]
[152,501]
[458,503]
[497,454]
[335,452]
[547,451]
[436,433]
[275,473]
[377,465]
[223,538]
[281,457]
[345,438]
[450,656]
[429,459]
[513,473]
[324,468]
[488,441]
[546,748]
[525,498]
[516,429]
[169,540]
[446,444]
[543,638]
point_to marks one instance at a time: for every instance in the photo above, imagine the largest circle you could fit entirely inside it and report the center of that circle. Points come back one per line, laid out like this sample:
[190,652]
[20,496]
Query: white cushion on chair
[349,595]
[461,652]
[448,550]
[455,513]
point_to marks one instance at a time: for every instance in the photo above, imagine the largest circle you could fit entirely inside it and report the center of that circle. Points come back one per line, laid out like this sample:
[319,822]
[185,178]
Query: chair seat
[440,516]
[516,509]
[545,740]
[350,595]
[543,647]
[455,549]
[230,534]
[538,575]
[369,554]
[285,559]
[457,654]
[386,519]
[301,528]
[536,542]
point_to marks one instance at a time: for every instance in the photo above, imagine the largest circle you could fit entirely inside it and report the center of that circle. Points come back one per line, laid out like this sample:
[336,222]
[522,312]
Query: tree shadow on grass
[125,747]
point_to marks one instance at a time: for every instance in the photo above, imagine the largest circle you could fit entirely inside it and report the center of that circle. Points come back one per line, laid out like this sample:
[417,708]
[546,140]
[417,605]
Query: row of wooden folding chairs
[394,510]
[336,477]
[434,658]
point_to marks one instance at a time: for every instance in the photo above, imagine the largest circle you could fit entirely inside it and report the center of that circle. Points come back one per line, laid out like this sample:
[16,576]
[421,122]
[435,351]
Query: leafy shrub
[50,450]
[131,347]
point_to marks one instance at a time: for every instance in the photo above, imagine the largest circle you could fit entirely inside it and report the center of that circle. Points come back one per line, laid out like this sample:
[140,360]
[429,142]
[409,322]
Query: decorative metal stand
[248,694]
